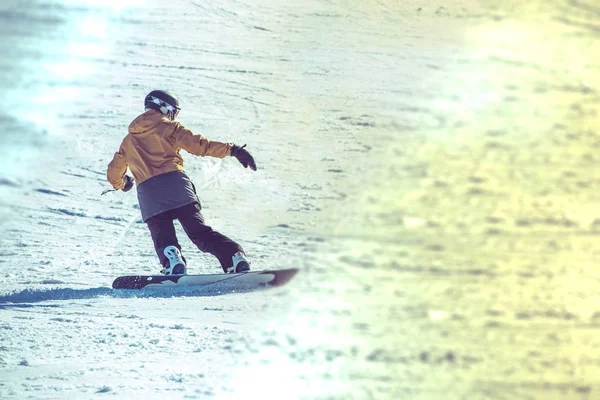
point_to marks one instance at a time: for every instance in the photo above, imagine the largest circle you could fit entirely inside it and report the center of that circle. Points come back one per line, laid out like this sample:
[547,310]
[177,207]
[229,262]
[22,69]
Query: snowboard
[252,278]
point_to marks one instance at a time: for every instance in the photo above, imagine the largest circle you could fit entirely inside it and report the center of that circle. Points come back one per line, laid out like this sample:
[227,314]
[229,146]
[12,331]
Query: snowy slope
[429,166]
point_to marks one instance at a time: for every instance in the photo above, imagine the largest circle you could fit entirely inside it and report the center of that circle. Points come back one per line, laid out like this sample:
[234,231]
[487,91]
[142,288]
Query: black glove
[128,183]
[243,156]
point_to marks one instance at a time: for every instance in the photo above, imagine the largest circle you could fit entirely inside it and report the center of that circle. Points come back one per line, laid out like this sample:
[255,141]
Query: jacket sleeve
[116,169]
[199,145]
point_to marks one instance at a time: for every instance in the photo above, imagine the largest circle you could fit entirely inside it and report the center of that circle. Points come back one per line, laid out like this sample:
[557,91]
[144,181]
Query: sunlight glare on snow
[90,38]
[46,105]
[280,378]
[49,98]
[509,38]
[93,26]
[516,42]
[87,50]
[115,5]
[68,70]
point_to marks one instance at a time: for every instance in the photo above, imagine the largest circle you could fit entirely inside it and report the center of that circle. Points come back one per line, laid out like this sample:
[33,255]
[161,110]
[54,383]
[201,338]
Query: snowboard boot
[240,263]
[176,262]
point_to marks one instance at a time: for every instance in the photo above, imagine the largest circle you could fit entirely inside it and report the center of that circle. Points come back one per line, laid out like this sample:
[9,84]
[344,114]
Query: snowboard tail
[253,278]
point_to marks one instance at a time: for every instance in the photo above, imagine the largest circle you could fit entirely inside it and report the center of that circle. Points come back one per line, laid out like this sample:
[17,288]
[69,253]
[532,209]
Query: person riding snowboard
[165,192]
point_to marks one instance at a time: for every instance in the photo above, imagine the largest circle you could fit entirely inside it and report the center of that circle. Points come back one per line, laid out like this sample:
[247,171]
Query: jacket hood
[147,121]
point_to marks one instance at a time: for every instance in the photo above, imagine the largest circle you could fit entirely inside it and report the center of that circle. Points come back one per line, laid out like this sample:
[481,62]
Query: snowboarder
[165,192]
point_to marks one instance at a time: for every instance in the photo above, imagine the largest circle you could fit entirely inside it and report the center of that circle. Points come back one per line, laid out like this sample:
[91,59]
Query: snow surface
[430,166]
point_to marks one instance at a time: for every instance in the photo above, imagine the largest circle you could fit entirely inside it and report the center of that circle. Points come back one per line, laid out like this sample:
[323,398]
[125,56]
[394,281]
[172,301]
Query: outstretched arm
[198,145]
[116,170]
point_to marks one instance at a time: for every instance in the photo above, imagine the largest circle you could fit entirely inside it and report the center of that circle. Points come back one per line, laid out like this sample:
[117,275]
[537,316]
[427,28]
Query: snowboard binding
[240,264]
[176,262]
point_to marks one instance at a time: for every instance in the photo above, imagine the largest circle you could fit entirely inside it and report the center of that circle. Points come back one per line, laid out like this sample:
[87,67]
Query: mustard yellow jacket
[152,148]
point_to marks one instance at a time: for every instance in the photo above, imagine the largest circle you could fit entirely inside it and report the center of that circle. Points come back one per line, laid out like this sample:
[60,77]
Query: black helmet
[163,102]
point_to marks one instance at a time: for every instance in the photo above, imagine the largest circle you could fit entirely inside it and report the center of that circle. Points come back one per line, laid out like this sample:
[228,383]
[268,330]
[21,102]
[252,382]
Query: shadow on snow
[24,298]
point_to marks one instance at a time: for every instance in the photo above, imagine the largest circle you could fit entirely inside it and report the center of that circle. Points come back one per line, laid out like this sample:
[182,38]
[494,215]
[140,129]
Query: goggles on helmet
[165,107]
